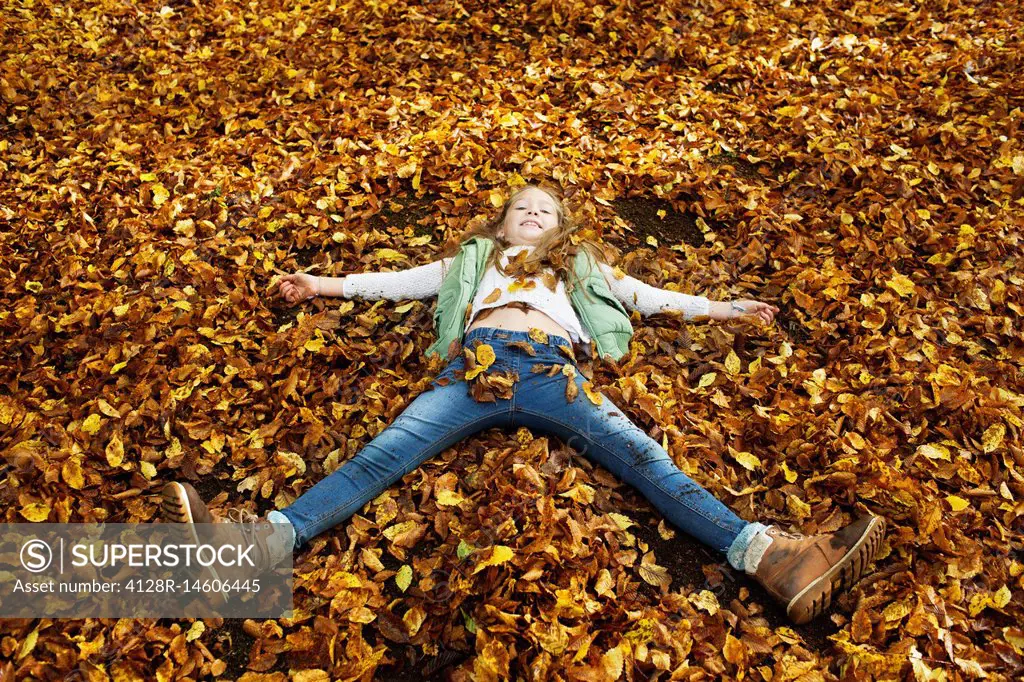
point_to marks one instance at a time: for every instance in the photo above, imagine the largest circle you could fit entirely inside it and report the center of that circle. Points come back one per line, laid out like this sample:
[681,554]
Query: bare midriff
[517,316]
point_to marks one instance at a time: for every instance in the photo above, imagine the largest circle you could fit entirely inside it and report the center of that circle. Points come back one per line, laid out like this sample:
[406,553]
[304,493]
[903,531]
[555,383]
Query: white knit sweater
[424,281]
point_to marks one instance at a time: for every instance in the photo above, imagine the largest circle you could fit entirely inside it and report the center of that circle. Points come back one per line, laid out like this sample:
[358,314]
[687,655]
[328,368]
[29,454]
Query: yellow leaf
[788,473]
[933,451]
[34,287]
[732,363]
[314,345]
[593,395]
[656,575]
[148,470]
[160,194]
[1001,597]
[72,472]
[449,498]
[979,603]
[612,662]
[957,504]
[705,600]
[148,177]
[538,335]
[196,631]
[407,170]
[405,308]
[945,375]
[499,555]
[735,651]
[485,355]
[797,507]
[789,111]
[391,532]
[29,644]
[993,437]
[621,520]
[92,424]
[581,492]
[108,409]
[118,367]
[896,611]
[525,286]
[388,254]
[404,577]
[496,199]
[747,460]
[707,380]
[35,512]
[901,284]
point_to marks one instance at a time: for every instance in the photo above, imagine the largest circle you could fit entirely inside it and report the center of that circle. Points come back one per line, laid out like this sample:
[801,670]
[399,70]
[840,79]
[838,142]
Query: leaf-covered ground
[858,164]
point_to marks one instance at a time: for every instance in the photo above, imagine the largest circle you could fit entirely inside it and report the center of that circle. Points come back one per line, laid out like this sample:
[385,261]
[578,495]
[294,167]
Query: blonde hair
[557,248]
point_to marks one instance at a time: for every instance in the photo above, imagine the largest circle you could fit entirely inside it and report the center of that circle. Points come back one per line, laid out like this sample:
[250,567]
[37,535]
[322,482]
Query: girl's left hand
[765,311]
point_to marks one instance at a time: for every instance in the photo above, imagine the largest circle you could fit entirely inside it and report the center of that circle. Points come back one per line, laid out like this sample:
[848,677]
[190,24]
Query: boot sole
[847,571]
[176,509]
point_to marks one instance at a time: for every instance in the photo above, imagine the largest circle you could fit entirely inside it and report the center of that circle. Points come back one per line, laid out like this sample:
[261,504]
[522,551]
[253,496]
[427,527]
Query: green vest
[601,314]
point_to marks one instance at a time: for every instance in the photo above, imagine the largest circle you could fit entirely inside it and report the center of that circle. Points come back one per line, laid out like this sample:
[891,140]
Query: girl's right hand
[299,287]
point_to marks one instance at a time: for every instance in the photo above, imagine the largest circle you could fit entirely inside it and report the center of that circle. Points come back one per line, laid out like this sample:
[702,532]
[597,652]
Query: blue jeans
[441,416]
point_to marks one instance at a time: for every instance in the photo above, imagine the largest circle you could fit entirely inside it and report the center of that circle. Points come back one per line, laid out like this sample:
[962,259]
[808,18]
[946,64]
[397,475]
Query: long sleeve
[648,300]
[422,281]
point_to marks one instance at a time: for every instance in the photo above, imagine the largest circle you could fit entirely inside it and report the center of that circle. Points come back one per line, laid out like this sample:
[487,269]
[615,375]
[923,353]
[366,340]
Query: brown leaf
[524,346]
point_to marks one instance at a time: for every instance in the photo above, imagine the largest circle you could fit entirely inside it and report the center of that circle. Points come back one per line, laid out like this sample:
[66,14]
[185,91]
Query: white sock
[755,550]
[282,541]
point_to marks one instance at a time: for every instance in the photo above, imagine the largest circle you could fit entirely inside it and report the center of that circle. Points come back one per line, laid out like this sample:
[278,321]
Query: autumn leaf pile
[858,164]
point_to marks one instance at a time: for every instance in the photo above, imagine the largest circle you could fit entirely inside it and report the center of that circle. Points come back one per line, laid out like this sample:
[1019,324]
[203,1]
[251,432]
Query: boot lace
[249,524]
[778,532]
[240,515]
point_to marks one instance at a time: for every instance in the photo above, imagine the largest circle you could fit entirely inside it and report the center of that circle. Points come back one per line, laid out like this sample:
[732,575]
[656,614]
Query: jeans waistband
[498,334]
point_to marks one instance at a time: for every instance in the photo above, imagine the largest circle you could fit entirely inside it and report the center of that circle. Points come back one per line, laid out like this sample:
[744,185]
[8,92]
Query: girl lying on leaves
[526,303]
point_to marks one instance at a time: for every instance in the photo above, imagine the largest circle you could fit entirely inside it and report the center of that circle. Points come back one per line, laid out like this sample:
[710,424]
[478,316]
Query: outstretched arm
[422,281]
[648,300]
[637,295]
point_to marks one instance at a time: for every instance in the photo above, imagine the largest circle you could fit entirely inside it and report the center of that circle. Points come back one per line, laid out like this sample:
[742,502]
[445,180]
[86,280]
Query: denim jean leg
[436,419]
[605,435]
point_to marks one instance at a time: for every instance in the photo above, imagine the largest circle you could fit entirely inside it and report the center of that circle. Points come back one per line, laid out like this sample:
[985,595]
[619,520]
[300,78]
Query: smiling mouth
[530,222]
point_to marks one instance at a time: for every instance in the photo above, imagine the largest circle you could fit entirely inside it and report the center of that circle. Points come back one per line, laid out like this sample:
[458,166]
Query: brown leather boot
[182,504]
[805,572]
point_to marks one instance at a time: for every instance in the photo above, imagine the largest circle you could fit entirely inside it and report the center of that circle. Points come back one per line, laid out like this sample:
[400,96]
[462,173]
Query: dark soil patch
[419,212]
[413,666]
[741,167]
[686,558]
[209,486]
[283,313]
[674,227]
[304,256]
[232,644]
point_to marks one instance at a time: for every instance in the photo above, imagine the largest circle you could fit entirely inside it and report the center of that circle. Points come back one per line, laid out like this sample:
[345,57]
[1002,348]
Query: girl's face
[529,217]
